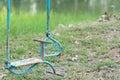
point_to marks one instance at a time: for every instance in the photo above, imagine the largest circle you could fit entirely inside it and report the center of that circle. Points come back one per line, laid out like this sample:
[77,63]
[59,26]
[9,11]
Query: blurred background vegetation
[29,16]
[65,6]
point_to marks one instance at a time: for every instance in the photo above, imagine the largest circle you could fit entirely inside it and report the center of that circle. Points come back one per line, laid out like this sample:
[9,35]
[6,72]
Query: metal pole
[8,31]
[48,15]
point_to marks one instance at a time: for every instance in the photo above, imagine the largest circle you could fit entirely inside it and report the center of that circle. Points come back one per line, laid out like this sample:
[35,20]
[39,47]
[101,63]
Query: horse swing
[32,62]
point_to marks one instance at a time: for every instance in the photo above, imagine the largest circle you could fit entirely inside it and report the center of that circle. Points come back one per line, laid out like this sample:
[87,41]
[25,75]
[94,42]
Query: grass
[24,23]
[94,43]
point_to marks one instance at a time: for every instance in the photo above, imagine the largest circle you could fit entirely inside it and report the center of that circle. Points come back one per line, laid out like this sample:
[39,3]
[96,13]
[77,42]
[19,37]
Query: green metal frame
[10,66]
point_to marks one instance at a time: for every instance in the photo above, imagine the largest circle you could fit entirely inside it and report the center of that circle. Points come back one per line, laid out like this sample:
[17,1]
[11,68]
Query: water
[66,6]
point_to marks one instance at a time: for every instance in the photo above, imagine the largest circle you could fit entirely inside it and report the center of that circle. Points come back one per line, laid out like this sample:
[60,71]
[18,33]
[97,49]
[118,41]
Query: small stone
[61,26]
[70,25]
[75,58]
[2,76]
[57,34]
[76,42]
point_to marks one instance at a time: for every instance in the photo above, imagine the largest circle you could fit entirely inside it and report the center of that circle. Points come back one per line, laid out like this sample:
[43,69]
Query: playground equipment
[32,62]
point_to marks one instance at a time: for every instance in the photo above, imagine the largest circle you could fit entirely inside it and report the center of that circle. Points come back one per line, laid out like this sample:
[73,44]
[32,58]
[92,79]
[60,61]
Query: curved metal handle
[59,49]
